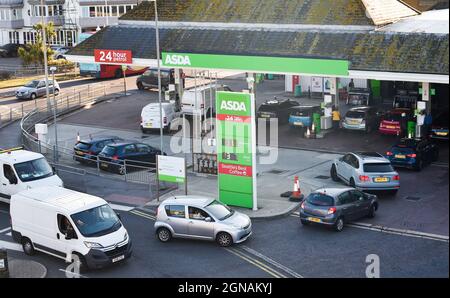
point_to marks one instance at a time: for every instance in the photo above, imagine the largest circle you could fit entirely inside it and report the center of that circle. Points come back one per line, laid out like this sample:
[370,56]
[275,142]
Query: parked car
[36,88]
[149,79]
[413,153]
[87,150]
[366,171]
[358,96]
[59,51]
[362,118]
[63,223]
[302,116]
[122,156]
[391,121]
[335,206]
[150,117]
[201,218]
[439,128]
[280,110]
[10,50]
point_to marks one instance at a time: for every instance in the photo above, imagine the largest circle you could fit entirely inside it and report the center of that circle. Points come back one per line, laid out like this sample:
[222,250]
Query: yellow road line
[256,263]
[142,214]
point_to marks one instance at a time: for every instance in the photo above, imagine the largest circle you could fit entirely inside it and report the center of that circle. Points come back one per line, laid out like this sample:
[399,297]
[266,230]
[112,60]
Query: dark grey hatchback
[335,206]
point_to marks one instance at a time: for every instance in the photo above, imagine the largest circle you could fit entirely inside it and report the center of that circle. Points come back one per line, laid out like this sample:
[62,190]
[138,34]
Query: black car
[10,50]
[439,128]
[150,79]
[413,153]
[124,156]
[87,150]
[365,119]
[277,109]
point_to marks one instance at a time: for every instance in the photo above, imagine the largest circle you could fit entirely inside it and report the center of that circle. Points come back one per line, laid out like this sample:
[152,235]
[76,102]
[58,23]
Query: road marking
[142,214]
[121,207]
[271,261]
[9,234]
[256,263]
[72,273]
[5,230]
[382,229]
[11,245]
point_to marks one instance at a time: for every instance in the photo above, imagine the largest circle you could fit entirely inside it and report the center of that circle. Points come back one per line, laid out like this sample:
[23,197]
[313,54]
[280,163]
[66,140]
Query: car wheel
[333,173]
[56,92]
[33,96]
[419,165]
[164,235]
[372,211]
[352,182]
[140,86]
[224,239]
[122,170]
[28,247]
[305,222]
[339,225]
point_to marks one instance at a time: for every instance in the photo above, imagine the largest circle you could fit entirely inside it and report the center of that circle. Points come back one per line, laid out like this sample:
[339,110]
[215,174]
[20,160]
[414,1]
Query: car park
[275,109]
[21,170]
[63,223]
[151,119]
[440,126]
[413,153]
[37,88]
[302,116]
[86,151]
[122,156]
[391,122]
[335,206]
[365,119]
[149,79]
[365,171]
[202,218]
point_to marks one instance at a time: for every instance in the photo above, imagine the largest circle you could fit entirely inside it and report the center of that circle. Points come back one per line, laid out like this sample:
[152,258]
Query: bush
[62,65]
[4,75]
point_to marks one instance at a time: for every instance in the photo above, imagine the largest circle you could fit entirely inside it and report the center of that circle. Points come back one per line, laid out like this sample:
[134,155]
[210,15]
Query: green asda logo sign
[177,60]
[233,106]
[233,103]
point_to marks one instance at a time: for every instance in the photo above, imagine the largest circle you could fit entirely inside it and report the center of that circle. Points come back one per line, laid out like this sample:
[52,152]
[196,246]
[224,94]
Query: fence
[12,72]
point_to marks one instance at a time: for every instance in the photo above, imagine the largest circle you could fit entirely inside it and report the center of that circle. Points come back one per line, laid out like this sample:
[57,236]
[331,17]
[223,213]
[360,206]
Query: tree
[34,53]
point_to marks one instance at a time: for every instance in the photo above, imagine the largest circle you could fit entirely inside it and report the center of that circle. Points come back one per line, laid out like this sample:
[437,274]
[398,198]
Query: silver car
[36,88]
[202,218]
[366,171]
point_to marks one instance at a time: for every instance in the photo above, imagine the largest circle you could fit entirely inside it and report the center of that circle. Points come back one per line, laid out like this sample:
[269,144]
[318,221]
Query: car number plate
[381,179]
[148,125]
[299,123]
[265,116]
[390,127]
[313,219]
[120,258]
[442,134]
[79,153]
[400,156]
[354,122]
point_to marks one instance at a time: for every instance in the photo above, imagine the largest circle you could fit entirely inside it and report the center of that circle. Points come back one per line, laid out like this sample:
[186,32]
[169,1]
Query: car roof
[194,201]
[99,139]
[64,199]
[361,109]
[333,192]
[410,143]
[18,156]
[123,143]
[371,157]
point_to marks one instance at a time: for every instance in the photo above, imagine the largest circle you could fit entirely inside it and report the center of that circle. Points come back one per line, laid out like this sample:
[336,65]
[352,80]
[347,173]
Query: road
[278,248]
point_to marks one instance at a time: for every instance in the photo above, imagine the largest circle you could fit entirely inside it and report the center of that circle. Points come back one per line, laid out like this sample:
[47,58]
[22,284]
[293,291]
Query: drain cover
[276,171]
[413,199]
[322,177]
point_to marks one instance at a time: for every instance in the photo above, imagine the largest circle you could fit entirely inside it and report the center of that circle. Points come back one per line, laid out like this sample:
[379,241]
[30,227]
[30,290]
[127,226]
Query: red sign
[113,56]
[232,118]
[235,170]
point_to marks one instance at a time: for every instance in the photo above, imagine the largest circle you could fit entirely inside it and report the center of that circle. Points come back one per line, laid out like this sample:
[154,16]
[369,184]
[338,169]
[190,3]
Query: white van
[63,223]
[200,103]
[150,118]
[21,170]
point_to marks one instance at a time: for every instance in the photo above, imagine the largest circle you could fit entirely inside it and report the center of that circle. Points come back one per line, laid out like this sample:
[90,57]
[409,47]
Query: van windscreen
[97,221]
[33,170]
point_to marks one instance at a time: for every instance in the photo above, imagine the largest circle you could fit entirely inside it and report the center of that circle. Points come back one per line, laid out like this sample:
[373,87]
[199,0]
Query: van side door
[66,236]
[9,183]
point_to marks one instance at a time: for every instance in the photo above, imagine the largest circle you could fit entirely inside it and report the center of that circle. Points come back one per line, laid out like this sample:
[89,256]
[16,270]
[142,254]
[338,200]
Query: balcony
[11,24]
[100,21]
[11,3]
[46,2]
[56,20]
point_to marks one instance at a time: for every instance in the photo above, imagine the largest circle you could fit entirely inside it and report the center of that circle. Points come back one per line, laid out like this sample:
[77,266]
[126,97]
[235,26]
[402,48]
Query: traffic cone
[297,193]
[78,137]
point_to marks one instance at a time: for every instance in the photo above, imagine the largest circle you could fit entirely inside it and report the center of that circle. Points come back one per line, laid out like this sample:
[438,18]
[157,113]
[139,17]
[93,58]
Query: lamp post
[53,69]
[44,48]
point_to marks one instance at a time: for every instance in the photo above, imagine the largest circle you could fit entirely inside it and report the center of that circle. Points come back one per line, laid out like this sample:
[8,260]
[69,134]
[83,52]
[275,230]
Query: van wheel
[164,235]
[82,265]
[140,86]
[28,247]
[333,173]
[224,239]
[339,225]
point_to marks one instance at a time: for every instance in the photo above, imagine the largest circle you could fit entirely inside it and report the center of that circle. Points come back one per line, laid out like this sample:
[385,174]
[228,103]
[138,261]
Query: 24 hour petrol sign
[235,149]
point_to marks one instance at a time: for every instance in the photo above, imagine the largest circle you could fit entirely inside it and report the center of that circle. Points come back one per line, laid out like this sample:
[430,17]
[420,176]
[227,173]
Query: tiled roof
[424,5]
[317,12]
[387,11]
[375,51]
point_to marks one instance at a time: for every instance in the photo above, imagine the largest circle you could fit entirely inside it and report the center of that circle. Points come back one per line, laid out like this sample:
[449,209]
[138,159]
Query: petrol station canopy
[364,33]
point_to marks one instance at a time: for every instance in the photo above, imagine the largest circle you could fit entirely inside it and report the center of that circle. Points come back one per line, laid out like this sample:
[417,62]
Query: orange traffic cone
[297,193]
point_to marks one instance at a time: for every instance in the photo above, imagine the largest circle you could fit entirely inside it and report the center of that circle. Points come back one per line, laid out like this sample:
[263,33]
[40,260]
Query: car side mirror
[119,216]
[208,219]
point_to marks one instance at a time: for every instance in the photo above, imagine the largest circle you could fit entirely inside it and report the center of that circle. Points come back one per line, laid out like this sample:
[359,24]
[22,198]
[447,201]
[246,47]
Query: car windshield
[320,199]
[219,210]
[109,150]
[32,84]
[83,146]
[33,170]
[393,117]
[97,221]
[378,168]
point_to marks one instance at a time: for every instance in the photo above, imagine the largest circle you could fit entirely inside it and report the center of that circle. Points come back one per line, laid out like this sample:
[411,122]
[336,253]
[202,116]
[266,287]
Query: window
[14,37]
[357,195]
[99,10]
[97,221]
[8,172]
[85,11]
[92,11]
[141,148]
[175,211]
[197,214]
[128,8]
[378,168]
[65,227]
[114,11]
[320,199]
[50,11]
[346,198]
[129,149]
[33,170]
[121,10]
[219,210]
[107,10]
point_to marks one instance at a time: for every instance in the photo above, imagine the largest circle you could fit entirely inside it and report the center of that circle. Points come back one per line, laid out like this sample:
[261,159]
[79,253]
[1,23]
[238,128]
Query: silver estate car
[366,171]
[202,218]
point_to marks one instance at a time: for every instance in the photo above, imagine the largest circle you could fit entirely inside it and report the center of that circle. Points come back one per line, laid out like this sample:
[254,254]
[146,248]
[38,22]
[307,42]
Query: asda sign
[322,67]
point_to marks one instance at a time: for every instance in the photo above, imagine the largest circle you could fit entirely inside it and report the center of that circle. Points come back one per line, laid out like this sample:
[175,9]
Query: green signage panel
[260,64]
[235,148]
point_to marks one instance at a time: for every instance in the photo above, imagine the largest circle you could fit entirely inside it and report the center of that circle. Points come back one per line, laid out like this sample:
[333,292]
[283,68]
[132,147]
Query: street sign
[236,142]
[171,169]
[113,56]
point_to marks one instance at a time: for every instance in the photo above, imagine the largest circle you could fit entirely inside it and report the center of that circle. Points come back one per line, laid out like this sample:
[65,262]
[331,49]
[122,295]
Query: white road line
[10,245]
[72,273]
[270,261]
[5,230]
[121,207]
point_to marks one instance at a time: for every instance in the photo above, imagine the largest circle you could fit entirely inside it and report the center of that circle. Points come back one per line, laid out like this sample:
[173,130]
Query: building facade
[70,17]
